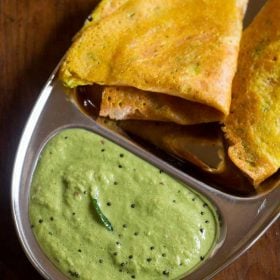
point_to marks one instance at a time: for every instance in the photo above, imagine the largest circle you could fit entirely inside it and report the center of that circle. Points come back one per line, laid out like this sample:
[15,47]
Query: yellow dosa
[187,49]
[253,127]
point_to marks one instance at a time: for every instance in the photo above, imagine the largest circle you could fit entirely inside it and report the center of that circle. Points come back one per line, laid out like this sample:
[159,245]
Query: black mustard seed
[74,274]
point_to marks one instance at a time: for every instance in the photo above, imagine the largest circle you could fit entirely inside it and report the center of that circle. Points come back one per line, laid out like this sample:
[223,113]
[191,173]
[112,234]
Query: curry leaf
[104,220]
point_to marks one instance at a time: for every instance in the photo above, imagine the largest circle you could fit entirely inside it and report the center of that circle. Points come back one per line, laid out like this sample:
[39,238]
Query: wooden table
[33,37]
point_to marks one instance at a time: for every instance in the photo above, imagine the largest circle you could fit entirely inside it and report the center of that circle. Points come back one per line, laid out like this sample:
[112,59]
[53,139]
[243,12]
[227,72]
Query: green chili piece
[104,220]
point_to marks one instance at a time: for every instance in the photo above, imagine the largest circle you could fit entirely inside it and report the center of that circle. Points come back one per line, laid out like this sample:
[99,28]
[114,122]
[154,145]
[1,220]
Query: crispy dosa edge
[251,128]
[122,103]
[212,87]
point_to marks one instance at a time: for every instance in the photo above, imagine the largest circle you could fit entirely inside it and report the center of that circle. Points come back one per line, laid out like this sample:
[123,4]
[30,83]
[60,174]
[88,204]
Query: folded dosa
[186,49]
[253,126]
[201,145]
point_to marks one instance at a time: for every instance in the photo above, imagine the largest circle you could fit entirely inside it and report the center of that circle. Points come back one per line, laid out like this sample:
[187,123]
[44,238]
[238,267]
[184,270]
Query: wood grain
[33,37]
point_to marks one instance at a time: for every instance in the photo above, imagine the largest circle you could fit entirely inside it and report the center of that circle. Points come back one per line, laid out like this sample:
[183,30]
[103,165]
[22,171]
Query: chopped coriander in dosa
[186,50]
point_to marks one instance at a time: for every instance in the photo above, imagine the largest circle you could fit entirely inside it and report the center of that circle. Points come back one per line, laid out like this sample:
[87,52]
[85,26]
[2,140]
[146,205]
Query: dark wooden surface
[33,37]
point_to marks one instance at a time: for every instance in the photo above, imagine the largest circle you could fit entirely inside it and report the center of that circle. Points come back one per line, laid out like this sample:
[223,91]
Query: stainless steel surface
[243,220]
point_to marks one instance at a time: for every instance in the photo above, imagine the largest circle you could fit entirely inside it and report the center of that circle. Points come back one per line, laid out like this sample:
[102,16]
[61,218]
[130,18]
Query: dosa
[187,49]
[124,103]
[253,127]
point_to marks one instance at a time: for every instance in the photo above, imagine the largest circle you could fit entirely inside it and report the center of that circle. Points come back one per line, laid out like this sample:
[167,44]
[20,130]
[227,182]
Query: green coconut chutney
[161,229]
